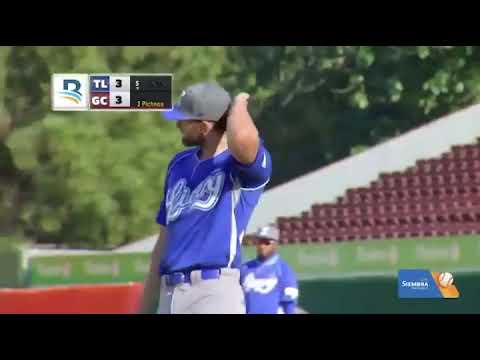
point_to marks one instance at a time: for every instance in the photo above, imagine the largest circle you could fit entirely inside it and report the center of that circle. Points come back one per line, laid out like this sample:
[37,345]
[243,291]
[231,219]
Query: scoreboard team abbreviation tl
[111,92]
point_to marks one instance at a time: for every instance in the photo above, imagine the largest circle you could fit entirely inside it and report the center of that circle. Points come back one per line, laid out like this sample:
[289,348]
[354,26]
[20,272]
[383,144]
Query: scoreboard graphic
[112,92]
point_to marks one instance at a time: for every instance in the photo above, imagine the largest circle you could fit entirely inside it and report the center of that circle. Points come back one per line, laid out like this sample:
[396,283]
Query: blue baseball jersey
[270,286]
[206,208]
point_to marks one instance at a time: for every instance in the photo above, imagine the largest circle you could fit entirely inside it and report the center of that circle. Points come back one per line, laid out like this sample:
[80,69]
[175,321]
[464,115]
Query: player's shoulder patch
[181,155]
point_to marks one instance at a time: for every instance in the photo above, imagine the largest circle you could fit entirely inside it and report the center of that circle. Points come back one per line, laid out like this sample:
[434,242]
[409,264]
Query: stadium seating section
[436,197]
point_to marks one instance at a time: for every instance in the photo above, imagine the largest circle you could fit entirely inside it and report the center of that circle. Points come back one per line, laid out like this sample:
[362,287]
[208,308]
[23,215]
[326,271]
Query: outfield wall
[80,299]
[378,295]
[310,261]
[350,277]
[364,295]
[87,269]
[380,257]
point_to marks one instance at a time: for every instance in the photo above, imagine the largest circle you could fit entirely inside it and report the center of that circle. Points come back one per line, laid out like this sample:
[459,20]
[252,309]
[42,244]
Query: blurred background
[376,168]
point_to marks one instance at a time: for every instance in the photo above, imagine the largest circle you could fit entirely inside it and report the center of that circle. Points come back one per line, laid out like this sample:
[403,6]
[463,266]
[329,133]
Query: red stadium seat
[284,224]
[468,217]
[296,223]
[306,214]
[439,167]
[308,236]
[391,208]
[474,200]
[410,170]
[318,209]
[413,180]
[354,211]
[402,182]
[455,218]
[309,223]
[425,166]
[375,185]
[464,165]
[368,221]
[439,179]
[467,151]
[447,156]
[404,220]
[412,230]
[441,206]
[391,232]
[436,197]
[365,233]
[355,222]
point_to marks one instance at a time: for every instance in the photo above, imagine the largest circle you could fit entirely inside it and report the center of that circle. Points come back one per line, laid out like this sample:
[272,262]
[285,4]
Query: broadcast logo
[73,95]
[445,279]
[419,283]
[70,92]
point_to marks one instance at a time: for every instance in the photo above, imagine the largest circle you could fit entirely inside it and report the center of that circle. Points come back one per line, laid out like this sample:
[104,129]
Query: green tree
[98,179]
[314,104]
[95,179]
[91,179]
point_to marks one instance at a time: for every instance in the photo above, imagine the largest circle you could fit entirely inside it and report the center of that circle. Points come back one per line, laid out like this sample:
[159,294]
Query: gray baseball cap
[268,232]
[203,101]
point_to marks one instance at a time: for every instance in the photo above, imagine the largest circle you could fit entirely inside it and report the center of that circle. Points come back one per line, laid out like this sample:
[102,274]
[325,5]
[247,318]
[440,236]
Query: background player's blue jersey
[270,286]
[206,208]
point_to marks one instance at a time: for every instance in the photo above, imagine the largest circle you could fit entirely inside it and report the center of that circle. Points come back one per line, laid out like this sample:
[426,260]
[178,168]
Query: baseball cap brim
[267,238]
[176,114]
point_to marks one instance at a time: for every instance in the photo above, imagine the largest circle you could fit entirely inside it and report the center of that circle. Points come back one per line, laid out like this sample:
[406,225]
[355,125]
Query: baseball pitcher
[270,285]
[211,190]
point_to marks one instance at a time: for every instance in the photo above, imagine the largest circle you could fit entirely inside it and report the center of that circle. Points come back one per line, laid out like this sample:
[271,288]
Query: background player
[211,190]
[270,285]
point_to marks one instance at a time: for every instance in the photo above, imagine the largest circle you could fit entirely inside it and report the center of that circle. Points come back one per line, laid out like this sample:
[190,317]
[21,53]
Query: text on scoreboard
[112,92]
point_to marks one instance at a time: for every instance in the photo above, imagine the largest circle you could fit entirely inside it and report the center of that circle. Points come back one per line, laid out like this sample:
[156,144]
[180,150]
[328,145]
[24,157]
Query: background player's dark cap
[204,101]
[269,232]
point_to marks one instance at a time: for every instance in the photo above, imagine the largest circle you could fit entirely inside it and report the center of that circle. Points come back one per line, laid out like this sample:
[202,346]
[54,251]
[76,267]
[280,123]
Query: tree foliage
[90,179]
[96,179]
[315,104]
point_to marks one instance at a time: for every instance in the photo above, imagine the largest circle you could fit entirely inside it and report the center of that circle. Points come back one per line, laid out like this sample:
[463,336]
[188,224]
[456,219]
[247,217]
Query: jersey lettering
[262,286]
[203,197]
